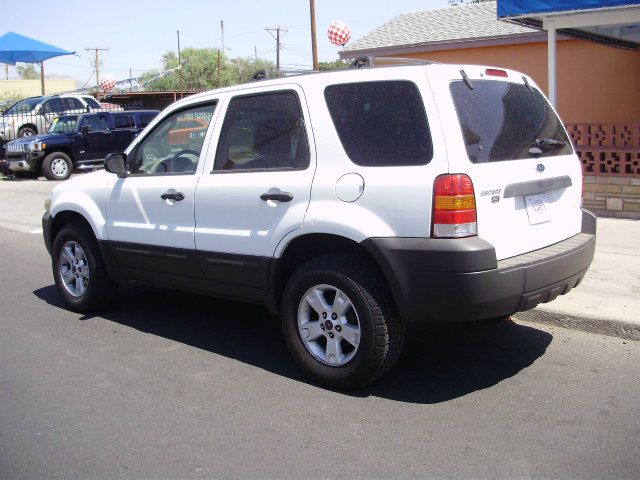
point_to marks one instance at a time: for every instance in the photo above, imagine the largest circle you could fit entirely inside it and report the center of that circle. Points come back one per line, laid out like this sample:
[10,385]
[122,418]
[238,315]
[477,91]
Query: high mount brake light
[454,207]
[496,72]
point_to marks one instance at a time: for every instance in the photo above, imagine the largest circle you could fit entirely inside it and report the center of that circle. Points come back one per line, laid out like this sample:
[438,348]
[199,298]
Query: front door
[259,187]
[151,210]
[94,145]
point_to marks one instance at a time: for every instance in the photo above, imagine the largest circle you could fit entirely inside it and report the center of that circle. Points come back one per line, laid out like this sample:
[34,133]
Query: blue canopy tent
[614,22]
[18,48]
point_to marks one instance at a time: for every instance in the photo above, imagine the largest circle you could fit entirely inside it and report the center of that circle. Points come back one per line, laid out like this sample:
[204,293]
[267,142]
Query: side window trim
[305,126]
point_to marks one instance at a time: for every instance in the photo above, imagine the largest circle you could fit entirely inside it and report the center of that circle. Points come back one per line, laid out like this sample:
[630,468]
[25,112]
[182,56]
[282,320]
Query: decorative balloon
[339,33]
[107,83]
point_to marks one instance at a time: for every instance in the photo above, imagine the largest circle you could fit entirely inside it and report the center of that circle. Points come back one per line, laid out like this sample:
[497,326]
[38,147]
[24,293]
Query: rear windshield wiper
[549,143]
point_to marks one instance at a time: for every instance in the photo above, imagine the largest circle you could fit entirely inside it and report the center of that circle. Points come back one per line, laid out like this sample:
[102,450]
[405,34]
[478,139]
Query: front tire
[27,132]
[79,271]
[57,166]
[340,323]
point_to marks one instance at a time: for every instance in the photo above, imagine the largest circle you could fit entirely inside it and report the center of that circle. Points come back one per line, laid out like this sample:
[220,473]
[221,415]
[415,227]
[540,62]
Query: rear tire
[27,132]
[79,271]
[358,345]
[57,166]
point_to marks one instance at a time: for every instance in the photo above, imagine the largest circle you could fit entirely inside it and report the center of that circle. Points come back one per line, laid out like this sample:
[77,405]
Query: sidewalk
[608,299]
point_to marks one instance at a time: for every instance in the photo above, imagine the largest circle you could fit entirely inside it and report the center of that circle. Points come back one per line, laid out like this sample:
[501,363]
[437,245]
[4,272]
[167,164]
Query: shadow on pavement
[439,362]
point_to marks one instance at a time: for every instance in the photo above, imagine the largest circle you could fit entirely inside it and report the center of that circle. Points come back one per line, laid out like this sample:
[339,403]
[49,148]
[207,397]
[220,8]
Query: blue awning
[18,48]
[518,8]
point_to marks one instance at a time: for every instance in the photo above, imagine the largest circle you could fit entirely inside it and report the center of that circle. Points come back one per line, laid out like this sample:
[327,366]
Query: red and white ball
[339,33]
[107,83]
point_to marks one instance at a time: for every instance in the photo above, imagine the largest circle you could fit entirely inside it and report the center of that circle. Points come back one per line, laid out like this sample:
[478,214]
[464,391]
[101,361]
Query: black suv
[76,142]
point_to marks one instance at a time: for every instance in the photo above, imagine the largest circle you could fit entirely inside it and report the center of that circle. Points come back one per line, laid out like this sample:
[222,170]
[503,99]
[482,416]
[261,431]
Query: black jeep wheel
[339,321]
[57,166]
[27,132]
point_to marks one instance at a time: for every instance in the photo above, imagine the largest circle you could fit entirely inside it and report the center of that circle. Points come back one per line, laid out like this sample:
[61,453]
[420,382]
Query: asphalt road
[171,385]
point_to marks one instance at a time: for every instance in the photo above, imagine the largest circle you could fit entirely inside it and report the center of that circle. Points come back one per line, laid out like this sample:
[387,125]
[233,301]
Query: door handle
[177,196]
[278,197]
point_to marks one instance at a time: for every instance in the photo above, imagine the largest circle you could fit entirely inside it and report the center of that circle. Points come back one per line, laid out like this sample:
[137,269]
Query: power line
[277,37]
[97,62]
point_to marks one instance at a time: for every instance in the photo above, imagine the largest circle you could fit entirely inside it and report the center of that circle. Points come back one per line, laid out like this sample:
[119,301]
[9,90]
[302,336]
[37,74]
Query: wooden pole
[314,44]
[42,76]
[179,65]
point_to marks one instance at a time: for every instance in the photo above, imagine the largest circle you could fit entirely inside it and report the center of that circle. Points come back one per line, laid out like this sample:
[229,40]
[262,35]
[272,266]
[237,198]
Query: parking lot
[169,384]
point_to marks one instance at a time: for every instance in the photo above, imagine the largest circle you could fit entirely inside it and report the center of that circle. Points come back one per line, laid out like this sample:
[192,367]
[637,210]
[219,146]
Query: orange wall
[596,83]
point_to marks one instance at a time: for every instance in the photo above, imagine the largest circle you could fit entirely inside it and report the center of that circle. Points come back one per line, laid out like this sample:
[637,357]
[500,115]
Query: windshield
[24,106]
[507,121]
[64,124]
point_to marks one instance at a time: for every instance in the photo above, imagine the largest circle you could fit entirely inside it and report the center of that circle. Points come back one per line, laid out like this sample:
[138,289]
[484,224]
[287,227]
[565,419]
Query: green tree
[28,71]
[335,65]
[200,70]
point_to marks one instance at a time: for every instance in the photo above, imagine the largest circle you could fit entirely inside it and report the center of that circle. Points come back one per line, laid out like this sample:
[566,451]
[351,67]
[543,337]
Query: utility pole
[219,78]
[222,33]
[277,37]
[255,56]
[130,81]
[314,44]
[97,61]
[6,71]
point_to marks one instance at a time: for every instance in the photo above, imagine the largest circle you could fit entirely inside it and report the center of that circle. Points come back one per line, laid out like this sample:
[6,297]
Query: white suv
[353,203]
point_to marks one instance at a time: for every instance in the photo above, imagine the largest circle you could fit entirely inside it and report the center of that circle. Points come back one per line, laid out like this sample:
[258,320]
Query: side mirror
[115,163]
[85,129]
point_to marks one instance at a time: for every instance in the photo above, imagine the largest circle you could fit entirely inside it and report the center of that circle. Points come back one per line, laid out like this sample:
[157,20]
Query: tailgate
[508,139]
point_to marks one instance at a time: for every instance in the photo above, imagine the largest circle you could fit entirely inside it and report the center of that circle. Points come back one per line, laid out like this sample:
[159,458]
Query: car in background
[33,115]
[76,142]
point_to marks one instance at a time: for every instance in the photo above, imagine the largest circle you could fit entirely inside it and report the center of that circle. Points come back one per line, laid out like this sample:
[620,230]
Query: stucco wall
[33,88]
[596,84]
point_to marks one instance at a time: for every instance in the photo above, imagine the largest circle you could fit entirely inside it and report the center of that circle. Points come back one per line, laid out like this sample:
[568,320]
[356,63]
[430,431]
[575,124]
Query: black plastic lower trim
[461,280]
[47,220]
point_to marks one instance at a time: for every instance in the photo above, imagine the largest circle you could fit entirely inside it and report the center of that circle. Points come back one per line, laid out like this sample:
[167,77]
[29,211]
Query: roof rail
[368,61]
[269,74]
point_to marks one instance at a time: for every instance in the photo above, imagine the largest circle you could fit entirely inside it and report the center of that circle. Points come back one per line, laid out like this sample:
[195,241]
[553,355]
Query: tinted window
[502,121]
[96,123]
[187,123]
[381,123]
[145,119]
[263,132]
[72,104]
[169,148]
[52,106]
[123,121]
[64,124]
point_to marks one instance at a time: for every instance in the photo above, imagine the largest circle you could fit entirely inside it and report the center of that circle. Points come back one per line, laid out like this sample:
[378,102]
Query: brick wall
[610,156]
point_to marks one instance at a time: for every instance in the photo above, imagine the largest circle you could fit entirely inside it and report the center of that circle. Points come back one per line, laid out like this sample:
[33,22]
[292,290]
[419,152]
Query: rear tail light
[454,207]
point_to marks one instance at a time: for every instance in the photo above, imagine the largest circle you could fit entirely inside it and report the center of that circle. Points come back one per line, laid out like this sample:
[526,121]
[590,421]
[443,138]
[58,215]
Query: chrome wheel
[328,324]
[74,268]
[59,167]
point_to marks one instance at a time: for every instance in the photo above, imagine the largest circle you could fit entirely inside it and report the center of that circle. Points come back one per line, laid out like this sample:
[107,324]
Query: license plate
[537,208]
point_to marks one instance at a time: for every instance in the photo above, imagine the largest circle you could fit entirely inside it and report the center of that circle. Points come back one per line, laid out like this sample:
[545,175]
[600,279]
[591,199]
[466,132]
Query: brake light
[454,207]
[496,72]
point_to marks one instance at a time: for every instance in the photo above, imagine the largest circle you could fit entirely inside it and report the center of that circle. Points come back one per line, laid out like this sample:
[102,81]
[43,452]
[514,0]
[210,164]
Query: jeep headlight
[37,146]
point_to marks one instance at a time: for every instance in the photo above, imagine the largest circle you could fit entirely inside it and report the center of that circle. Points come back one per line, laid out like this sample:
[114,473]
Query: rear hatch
[502,132]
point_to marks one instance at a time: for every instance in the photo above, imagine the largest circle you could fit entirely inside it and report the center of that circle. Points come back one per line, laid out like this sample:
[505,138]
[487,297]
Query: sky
[138,32]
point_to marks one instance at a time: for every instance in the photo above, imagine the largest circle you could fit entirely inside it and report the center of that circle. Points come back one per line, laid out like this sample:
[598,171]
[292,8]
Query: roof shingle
[453,24]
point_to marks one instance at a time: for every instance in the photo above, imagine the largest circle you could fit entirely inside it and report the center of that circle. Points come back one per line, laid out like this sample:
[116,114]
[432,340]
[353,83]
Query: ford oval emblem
[540,168]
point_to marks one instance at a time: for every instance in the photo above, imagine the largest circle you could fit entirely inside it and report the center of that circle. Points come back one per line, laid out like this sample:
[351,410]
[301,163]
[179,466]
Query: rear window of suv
[381,123]
[503,121]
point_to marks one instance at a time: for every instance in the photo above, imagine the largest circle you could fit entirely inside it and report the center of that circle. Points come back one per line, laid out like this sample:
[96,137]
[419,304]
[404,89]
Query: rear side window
[263,132]
[123,121]
[145,119]
[503,121]
[381,123]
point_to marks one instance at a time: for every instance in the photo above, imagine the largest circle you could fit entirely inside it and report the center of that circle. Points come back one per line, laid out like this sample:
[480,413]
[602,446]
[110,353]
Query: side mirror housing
[85,129]
[116,163]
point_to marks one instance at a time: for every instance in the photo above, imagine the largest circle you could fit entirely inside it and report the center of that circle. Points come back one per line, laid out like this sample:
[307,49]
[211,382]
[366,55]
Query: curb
[612,328]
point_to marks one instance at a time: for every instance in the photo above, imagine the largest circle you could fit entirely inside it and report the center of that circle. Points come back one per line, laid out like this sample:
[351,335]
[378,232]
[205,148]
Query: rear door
[504,134]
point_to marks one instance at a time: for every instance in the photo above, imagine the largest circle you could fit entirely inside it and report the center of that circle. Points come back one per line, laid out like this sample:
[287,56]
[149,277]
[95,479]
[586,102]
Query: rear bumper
[436,280]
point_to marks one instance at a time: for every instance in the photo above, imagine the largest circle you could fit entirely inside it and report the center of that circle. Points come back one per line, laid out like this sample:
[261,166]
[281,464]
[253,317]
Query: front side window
[170,148]
[263,132]
[381,124]
[96,123]
[64,124]
[504,121]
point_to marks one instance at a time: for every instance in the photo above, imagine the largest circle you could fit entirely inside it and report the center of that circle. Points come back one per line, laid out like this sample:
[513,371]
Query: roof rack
[269,74]
[369,62]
